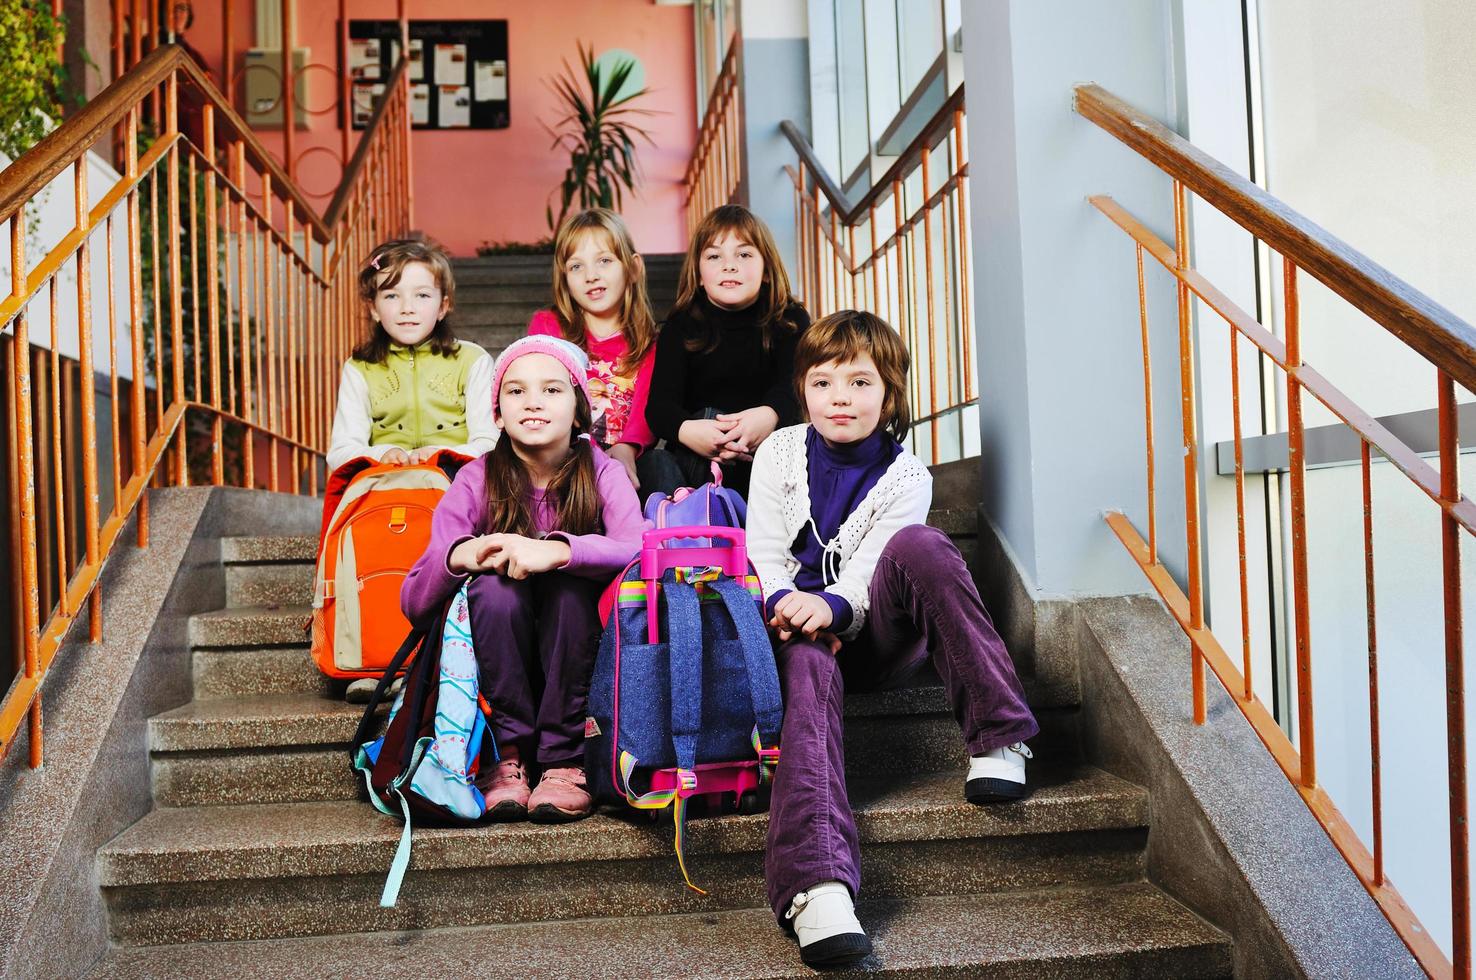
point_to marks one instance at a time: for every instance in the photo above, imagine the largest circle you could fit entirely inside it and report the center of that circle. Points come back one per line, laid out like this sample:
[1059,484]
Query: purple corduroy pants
[536,640]
[923,604]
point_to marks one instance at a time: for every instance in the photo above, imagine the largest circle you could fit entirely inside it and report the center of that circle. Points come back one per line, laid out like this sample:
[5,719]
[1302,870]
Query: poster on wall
[458,70]
[491,84]
[363,62]
[419,104]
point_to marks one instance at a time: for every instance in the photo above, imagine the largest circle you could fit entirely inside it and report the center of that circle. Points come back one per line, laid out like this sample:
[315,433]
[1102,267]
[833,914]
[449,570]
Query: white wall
[1060,367]
[49,221]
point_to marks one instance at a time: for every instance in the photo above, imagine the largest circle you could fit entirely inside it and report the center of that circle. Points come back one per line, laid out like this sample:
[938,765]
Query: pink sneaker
[507,792]
[560,797]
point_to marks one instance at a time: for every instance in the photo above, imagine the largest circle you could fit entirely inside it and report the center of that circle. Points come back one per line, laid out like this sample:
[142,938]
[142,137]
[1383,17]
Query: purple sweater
[840,478]
[462,514]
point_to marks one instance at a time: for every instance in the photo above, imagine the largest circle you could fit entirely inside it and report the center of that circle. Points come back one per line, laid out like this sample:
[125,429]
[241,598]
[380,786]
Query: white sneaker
[824,921]
[998,774]
[361,690]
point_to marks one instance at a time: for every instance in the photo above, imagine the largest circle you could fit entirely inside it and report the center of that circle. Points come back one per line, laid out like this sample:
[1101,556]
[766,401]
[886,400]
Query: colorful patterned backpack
[426,763]
[684,701]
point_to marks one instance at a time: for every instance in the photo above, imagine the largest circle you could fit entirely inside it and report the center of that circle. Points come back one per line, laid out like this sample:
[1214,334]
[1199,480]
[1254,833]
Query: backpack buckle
[397,523]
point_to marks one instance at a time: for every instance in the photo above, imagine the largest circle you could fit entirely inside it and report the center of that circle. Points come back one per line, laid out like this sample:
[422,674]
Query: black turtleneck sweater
[736,374]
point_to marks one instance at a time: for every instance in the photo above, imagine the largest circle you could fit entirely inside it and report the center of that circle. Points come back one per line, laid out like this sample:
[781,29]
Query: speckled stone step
[236,872]
[250,549]
[294,747]
[251,627]
[1103,933]
[232,673]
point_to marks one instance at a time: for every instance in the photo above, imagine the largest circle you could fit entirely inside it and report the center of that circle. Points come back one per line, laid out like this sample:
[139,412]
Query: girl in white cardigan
[861,592]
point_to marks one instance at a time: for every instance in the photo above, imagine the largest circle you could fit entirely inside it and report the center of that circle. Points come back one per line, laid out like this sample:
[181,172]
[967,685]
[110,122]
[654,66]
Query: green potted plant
[31,86]
[598,131]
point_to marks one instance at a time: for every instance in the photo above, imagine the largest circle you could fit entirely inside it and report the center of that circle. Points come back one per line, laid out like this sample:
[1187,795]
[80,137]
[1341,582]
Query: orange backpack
[380,526]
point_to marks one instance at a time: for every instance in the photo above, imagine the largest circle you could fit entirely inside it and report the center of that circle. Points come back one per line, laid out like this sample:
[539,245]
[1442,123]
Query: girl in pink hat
[541,523]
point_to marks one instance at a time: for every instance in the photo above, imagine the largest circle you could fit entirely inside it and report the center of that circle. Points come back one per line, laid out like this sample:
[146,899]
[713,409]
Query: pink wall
[493,184]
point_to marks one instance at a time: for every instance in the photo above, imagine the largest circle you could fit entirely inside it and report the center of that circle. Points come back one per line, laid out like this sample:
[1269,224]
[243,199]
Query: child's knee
[925,552]
[497,595]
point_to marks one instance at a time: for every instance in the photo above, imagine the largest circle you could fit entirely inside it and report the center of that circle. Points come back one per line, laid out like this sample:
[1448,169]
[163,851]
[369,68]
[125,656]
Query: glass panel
[1368,132]
[971,431]
[919,39]
[850,70]
[884,87]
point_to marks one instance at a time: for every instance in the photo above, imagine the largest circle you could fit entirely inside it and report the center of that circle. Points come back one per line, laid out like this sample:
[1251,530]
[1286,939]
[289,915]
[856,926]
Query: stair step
[227,673]
[254,723]
[257,871]
[250,549]
[267,585]
[533,294]
[260,776]
[1116,931]
[251,626]
[653,260]
[491,339]
[273,739]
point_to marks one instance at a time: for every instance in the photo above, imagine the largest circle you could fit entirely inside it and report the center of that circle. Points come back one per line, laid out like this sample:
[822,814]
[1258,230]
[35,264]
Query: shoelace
[563,776]
[510,769]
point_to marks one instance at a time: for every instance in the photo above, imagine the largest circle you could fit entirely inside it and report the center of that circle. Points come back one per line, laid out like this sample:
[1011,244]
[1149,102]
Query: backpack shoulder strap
[684,632]
[758,657]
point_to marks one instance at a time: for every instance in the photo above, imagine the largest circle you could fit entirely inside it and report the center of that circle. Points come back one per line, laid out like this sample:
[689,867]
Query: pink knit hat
[574,360]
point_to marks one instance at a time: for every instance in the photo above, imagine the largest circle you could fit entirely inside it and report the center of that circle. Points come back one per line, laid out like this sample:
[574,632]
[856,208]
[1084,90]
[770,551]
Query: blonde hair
[636,320]
[383,270]
[844,336]
[746,226]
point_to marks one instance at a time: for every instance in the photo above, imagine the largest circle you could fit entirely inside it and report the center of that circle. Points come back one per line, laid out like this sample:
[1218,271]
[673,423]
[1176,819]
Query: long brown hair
[573,491]
[844,336]
[636,320]
[774,291]
[383,269]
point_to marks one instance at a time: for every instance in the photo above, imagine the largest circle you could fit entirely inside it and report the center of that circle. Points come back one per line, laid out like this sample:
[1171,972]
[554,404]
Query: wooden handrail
[937,127]
[356,163]
[28,176]
[1441,337]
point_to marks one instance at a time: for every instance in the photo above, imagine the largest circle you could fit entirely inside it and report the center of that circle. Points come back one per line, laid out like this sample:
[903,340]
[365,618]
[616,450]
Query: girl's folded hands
[512,555]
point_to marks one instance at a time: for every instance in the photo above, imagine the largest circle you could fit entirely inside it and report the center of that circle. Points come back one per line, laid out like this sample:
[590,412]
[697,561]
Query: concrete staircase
[259,855]
[497,295]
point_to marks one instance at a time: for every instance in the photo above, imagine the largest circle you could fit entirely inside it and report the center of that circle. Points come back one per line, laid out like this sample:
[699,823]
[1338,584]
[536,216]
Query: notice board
[458,71]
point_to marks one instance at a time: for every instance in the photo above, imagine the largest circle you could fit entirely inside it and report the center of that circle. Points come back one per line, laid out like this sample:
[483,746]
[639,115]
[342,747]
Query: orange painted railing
[220,363]
[901,252]
[715,175]
[1443,339]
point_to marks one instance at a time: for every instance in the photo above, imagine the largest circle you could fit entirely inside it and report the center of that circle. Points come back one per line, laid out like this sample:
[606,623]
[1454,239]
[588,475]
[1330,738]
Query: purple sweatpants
[923,604]
[536,640]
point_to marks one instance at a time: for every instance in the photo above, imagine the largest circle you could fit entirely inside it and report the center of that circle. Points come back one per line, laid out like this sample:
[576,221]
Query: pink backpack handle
[655,560]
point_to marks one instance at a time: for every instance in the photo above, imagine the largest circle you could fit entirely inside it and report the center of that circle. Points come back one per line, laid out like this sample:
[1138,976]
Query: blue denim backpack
[684,701]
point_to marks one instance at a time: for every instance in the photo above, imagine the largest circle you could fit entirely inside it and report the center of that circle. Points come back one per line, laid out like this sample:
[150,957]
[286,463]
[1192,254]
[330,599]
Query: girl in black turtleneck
[724,373]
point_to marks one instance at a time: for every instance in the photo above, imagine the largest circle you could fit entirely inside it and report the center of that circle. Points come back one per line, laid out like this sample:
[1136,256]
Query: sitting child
[861,593]
[543,522]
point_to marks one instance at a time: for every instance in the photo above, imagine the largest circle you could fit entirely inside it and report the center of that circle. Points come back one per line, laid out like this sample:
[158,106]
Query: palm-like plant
[598,132]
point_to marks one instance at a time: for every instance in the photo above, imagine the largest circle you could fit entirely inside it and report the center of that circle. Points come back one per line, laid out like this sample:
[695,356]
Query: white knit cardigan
[779,507]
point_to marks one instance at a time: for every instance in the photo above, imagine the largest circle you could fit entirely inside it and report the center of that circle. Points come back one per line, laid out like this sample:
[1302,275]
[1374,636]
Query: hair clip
[374,263]
[585,435]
